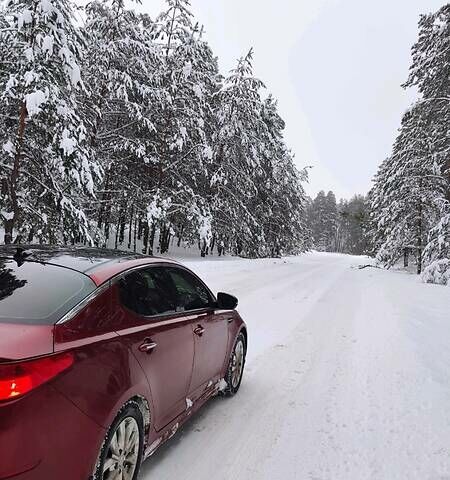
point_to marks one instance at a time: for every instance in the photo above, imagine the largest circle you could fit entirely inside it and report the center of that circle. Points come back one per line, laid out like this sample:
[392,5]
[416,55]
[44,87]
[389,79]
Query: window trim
[83,303]
[198,311]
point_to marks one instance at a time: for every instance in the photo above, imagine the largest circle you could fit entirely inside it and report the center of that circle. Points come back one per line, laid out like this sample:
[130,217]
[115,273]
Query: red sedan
[103,356]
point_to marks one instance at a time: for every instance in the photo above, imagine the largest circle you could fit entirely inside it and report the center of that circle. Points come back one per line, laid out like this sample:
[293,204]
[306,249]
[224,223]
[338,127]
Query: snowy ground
[347,378]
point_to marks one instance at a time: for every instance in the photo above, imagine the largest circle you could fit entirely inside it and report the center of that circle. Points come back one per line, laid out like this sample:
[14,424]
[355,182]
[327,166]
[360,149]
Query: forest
[119,130]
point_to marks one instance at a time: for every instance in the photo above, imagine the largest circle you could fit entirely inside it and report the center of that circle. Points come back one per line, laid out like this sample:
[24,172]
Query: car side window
[147,292]
[191,294]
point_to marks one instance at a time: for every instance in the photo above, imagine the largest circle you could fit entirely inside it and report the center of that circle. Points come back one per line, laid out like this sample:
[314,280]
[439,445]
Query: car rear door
[210,328]
[160,338]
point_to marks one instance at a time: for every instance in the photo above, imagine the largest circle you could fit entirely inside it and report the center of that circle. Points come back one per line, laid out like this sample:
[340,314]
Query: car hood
[20,341]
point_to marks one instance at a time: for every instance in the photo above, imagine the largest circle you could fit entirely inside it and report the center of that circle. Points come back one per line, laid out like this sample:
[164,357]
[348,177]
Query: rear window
[39,293]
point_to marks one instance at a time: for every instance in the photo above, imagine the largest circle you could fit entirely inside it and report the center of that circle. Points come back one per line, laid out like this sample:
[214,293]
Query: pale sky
[336,68]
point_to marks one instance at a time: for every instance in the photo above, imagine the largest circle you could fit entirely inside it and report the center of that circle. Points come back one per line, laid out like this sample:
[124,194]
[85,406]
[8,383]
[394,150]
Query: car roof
[100,264]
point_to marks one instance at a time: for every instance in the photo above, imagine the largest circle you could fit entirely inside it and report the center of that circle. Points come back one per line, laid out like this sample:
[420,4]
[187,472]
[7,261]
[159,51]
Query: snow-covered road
[347,378]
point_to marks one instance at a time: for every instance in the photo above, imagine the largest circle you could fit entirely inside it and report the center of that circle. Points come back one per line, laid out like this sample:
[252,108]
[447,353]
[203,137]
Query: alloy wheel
[237,364]
[123,452]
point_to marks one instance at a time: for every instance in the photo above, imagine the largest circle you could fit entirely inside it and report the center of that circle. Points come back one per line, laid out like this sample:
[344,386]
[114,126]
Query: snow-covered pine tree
[323,218]
[46,166]
[236,158]
[123,100]
[430,73]
[403,198]
[183,151]
[186,124]
[279,205]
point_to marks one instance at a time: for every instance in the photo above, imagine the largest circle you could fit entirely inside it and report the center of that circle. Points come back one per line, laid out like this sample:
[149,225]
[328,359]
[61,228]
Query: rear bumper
[43,436]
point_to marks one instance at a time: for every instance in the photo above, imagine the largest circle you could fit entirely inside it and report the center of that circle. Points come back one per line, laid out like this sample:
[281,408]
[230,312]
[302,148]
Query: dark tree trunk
[162,232]
[145,242]
[419,242]
[213,243]
[130,231]
[116,241]
[152,238]
[165,237]
[9,226]
[180,236]
[122,224]
[135,234]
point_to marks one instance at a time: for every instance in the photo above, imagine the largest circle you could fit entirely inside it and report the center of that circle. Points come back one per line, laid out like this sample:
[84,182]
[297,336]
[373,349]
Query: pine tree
[279,205]
[353,221]
[46,163]
[236,158]
[323,217]
[430,73]
[403,197]
[190,79]
[121,106]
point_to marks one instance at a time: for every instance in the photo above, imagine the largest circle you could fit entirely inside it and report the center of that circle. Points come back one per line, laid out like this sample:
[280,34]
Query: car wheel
[236,365]
[120,456]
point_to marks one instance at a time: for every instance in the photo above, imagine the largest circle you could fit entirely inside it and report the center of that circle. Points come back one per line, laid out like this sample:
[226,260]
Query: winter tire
[236,365]
[120,456]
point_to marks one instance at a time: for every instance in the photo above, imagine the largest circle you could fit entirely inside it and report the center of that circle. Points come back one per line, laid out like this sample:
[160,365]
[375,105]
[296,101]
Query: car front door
[160,338]
[210,329]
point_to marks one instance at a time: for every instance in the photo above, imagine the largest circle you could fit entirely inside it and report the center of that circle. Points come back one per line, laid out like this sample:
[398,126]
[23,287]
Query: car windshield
[38,293]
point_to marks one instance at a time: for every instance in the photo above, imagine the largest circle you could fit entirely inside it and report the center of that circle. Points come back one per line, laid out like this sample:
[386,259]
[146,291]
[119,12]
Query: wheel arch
[144,408]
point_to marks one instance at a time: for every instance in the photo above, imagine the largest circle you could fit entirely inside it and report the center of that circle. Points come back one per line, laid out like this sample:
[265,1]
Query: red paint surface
[55,431]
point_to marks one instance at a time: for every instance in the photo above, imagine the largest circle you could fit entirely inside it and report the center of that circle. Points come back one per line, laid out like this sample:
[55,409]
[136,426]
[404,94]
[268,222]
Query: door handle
[230,319]
[199,330]
[147,346]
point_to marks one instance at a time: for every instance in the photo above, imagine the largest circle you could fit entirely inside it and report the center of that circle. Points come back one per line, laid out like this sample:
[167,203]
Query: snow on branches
[411,193]
[122,129]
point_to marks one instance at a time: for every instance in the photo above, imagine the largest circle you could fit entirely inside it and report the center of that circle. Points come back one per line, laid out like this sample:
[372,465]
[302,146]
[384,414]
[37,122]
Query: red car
[103,356]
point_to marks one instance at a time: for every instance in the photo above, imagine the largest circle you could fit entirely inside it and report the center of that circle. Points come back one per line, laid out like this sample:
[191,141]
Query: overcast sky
[336,67]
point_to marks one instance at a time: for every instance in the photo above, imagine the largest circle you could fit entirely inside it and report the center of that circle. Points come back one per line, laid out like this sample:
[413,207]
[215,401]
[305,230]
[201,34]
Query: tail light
[17,379]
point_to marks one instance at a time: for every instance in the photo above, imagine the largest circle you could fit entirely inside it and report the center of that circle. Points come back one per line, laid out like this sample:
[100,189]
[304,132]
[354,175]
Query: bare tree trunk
[135,234]
[152,238]
[180,236]
[419,243]
[405,257]
[213,243]
[122,224]
[145,241]
[130,228]
[116,241]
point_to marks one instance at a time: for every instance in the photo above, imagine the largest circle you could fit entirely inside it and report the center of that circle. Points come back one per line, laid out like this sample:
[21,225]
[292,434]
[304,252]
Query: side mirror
[226,301]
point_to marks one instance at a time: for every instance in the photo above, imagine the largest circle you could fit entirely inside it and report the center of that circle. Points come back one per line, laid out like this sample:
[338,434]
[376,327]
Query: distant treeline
[339,226]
